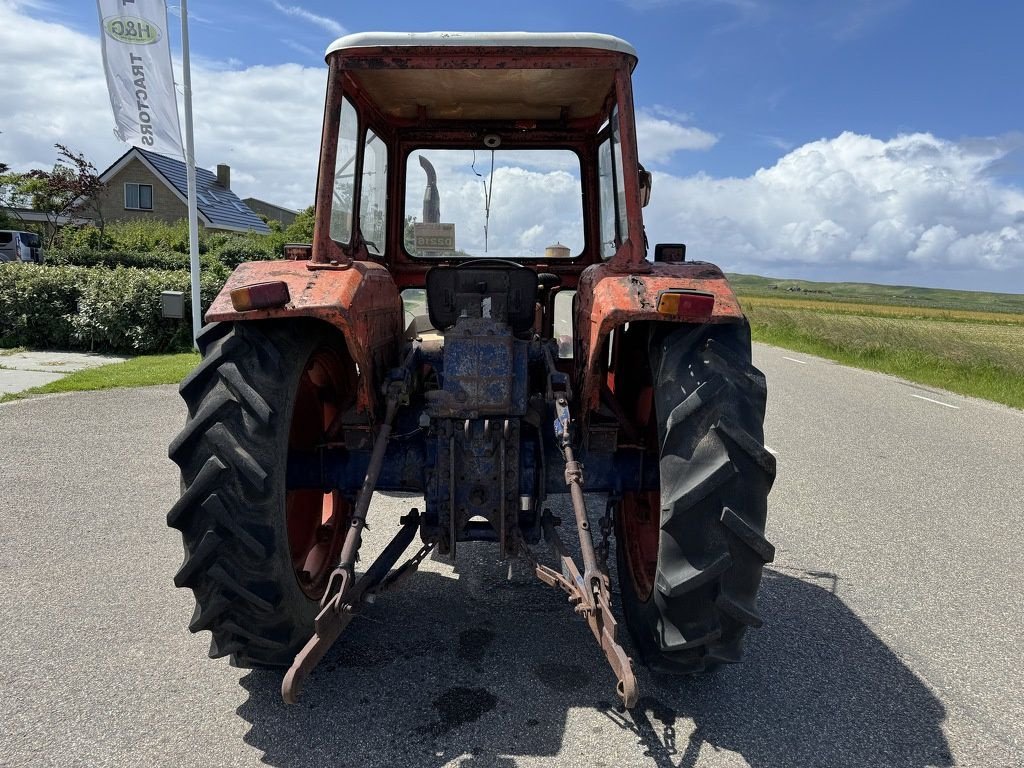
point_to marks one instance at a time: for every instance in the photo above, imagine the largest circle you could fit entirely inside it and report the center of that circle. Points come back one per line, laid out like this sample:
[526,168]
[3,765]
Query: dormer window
[138,197]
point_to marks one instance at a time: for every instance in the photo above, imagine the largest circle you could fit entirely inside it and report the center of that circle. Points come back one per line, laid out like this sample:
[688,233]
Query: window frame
[138,196]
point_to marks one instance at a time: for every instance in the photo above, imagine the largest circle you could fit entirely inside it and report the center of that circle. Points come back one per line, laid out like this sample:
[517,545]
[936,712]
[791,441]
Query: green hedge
[97,309]
[234,252]
[166,260]
[221,261]
[138,235]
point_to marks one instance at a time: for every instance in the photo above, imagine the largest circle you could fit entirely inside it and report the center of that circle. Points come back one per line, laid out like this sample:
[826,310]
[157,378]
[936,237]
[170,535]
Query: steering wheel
[489,262]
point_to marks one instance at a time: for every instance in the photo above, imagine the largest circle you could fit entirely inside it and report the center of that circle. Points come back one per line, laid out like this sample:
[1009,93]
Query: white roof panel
[484,39]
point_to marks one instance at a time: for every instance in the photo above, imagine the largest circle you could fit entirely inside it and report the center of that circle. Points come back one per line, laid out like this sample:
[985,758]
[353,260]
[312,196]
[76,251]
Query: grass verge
[979,359]
[143,371]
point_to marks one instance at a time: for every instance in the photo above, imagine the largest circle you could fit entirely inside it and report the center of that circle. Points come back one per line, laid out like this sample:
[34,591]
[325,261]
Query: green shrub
[250,248]
[94,308]
[36,303]
[166,260]
[151,235]
[90,257]
[70,238]
[301,230]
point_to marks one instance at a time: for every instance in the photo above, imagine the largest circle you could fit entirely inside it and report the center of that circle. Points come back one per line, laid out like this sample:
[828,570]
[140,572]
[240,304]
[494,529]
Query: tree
[301,230]
[84,183]
[12,192]
[72,187]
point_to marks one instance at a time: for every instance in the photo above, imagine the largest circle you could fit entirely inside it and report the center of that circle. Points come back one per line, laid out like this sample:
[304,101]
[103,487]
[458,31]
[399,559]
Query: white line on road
[794,360]
[771,450]
[937,402]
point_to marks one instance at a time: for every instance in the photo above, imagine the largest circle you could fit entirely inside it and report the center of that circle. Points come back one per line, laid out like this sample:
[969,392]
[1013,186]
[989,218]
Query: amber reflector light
[260,296]
[687,304]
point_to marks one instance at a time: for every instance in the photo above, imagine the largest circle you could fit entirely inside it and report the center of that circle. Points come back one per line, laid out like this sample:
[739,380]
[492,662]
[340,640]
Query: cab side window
[614,225]
[373,201]
[343,199]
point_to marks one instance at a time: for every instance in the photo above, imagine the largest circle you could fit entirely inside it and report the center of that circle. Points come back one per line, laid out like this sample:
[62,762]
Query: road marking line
[937,402]
[771,450]
[794,360]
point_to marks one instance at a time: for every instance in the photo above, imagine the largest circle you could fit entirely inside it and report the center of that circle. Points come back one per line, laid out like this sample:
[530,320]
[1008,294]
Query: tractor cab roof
[485,75]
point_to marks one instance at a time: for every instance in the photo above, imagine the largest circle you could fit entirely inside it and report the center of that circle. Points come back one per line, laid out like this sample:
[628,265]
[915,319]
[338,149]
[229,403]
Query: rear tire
[689,573]
[245,536]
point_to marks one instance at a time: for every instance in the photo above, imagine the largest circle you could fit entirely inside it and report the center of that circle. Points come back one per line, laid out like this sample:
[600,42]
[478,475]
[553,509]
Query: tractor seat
[501,290]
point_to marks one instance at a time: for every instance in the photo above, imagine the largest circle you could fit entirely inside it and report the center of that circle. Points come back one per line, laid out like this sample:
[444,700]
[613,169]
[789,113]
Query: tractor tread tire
[232,454]
[715,478]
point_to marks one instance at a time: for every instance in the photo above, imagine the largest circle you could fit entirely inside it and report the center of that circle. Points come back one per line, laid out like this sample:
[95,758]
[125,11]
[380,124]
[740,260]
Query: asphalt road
[893,612]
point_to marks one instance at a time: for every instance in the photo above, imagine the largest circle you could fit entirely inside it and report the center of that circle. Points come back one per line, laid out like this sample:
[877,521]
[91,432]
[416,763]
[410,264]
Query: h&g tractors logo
[131,29]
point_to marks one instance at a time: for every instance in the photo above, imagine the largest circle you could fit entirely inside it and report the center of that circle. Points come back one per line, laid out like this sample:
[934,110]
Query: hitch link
[588,592]
[344,596]
[344,606]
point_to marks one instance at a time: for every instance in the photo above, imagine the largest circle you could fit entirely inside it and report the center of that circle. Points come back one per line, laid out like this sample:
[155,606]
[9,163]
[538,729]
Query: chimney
[224,176]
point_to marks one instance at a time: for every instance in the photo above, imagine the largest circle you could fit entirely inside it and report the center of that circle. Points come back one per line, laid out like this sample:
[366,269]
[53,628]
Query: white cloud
[305,50]
[670,113]
[263,121]
[299,12]
[914,202]
[175,10]
[916,208]
[658,138]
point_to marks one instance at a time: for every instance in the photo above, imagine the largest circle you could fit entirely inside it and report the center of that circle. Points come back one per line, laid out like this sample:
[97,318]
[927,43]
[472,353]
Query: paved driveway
[893,612]
[23,370]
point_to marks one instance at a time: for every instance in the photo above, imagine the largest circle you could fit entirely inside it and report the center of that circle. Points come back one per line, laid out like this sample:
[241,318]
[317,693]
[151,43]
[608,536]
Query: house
[30,216]
[273,212]
[143,184]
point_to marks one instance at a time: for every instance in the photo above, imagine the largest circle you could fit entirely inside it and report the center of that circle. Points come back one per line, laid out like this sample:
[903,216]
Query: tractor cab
[448,149]
[445,148]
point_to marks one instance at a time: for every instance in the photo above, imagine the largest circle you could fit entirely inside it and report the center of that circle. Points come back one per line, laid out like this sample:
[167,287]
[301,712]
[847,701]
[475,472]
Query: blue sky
[811,92]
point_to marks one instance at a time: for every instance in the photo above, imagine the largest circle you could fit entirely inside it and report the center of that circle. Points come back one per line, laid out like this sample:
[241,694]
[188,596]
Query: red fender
[610,298]
[359,299]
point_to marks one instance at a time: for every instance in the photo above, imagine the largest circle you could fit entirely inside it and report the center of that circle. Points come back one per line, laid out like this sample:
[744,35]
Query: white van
[25,247]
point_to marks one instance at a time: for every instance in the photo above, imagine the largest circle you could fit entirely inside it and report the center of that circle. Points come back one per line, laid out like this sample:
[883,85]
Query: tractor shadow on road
[817,688]
[480,670]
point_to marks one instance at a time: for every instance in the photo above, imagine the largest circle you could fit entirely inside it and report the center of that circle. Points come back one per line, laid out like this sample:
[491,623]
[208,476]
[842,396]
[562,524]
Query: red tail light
[689,305]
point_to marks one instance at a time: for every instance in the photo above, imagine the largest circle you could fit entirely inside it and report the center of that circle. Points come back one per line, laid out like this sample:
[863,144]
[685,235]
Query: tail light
[688,305]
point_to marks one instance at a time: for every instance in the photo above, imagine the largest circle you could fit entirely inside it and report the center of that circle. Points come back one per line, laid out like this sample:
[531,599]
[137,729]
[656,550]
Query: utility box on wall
[172,304]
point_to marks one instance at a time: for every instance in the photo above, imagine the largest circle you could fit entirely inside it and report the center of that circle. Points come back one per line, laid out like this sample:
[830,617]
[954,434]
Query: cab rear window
[506,203]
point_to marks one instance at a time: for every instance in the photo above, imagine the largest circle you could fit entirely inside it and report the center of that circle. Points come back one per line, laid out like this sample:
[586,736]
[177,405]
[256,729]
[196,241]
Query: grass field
[960,346]
[875,294]
[141,371]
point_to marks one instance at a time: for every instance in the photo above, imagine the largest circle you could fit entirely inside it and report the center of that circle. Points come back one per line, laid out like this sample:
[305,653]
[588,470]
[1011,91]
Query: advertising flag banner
[137,61]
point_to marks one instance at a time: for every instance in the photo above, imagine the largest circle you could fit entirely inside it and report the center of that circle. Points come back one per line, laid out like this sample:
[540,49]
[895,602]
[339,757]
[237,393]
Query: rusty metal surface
[480,57]
[609,299]
[596,611]
[339,611]
[344,573]
[362,302]
[325,250]
[631,255]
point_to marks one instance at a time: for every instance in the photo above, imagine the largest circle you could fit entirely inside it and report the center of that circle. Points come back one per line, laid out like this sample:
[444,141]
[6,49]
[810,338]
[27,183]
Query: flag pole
[190,165]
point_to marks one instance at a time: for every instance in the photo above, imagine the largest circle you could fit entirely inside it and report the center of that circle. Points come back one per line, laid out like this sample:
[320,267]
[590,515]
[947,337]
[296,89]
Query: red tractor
[479,319]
